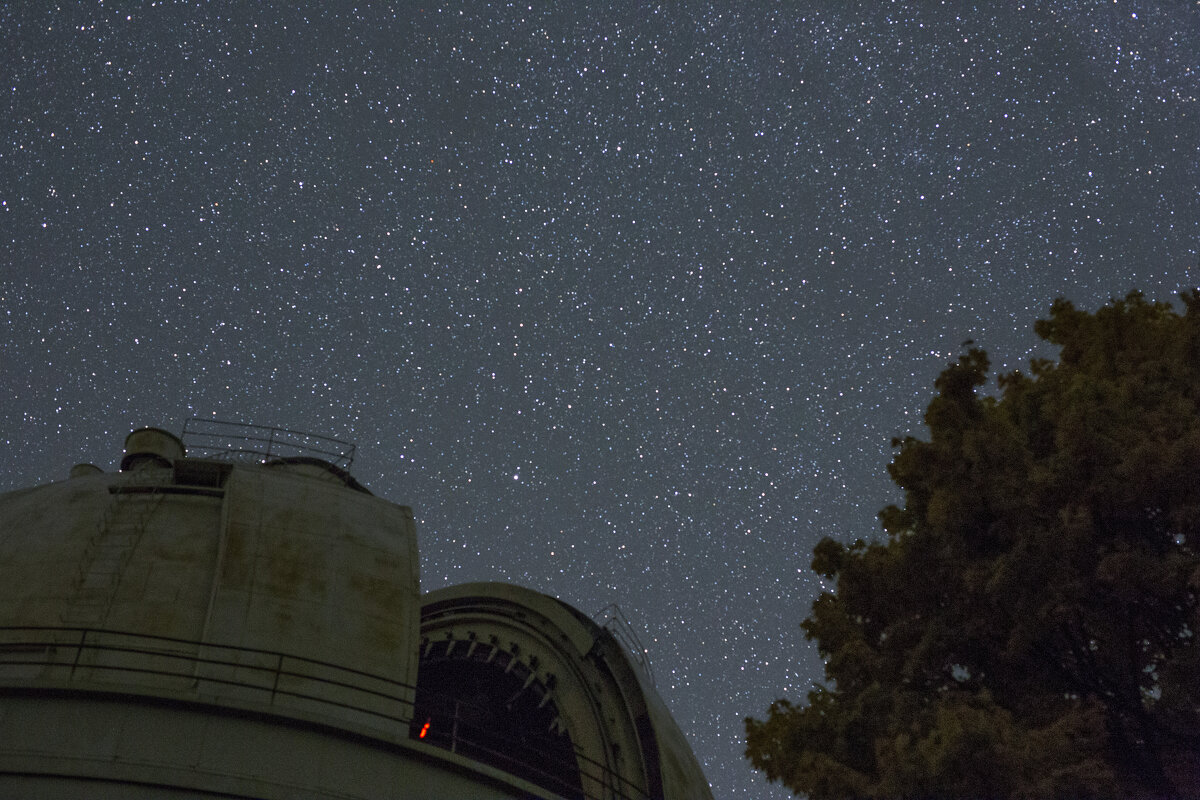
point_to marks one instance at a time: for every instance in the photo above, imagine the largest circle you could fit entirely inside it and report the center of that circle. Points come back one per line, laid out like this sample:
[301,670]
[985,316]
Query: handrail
[616,623]
[272,665]
[222,438]
[278,675]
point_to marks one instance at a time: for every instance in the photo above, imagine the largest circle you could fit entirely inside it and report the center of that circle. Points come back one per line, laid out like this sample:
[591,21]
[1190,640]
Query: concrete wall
[237,609]
[72,746]
[277,559]
[311,568]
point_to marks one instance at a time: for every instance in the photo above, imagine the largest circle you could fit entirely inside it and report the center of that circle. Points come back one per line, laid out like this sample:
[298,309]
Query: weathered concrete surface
[86,746]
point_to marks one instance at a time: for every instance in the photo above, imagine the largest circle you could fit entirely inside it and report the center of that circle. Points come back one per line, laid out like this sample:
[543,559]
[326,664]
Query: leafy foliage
[1027,628]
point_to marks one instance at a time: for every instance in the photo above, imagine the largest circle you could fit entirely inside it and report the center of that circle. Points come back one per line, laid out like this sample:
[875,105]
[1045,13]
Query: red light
[425,728]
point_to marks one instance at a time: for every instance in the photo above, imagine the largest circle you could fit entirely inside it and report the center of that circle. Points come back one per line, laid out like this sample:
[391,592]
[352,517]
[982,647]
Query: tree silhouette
[1028,627]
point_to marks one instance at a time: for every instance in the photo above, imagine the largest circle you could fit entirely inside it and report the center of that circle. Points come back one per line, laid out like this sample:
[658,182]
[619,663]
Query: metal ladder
[109,548]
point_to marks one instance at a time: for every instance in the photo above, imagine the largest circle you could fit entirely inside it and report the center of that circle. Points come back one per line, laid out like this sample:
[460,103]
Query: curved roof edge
[569,621]
[673,764]
[317,466]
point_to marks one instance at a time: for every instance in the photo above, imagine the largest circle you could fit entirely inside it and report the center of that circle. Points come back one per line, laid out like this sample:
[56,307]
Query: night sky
[626,301]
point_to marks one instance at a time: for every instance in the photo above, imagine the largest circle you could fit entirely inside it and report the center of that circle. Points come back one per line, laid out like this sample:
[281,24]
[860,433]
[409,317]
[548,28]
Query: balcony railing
[95,659]
[210,438]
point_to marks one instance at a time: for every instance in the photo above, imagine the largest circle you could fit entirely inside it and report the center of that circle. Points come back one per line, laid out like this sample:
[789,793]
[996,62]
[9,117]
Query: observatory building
[233,615]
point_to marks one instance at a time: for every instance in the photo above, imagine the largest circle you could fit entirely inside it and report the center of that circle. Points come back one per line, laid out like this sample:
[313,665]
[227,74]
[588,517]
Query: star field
[626,301]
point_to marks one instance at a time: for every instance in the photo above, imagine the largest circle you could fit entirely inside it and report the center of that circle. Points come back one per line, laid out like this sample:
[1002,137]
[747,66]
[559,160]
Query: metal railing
[97,659]
[135,661]
[448,726]
[213,438]
[613,620]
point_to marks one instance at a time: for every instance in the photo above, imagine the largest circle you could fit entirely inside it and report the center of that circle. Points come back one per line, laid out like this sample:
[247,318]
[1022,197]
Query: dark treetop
[1027,629]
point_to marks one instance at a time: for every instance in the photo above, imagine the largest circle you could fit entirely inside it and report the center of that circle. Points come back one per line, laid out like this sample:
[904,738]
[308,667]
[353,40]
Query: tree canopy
[1027,627]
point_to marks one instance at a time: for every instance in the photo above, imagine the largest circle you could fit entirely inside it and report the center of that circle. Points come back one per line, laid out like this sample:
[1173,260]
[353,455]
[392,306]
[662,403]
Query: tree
[1027,627]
